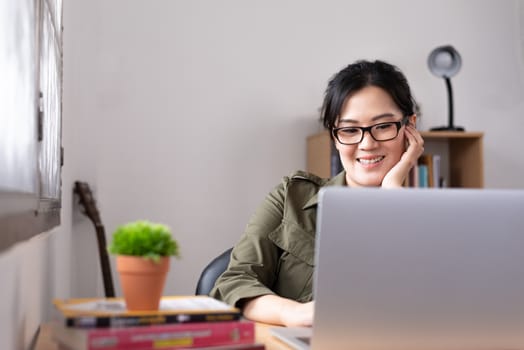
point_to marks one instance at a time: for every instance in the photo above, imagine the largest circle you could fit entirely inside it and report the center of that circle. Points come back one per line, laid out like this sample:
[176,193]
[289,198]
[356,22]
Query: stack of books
[182,322]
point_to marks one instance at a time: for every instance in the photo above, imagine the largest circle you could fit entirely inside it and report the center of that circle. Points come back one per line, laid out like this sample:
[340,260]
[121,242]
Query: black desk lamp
[445,62]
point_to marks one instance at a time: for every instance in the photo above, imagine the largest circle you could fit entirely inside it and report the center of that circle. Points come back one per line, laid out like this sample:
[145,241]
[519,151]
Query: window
[30,118]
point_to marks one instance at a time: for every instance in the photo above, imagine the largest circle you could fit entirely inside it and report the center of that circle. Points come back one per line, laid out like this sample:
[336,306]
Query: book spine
[429,164]
[415,178]
[423,175]
[436,171]
[188,335]
[425,164]
[132,321]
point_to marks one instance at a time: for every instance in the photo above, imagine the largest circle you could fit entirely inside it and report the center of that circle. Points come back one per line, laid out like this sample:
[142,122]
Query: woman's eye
[349,131]
[384,126]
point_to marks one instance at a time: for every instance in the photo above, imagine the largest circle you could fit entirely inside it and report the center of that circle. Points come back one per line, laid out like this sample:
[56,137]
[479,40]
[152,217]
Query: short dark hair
[357,76]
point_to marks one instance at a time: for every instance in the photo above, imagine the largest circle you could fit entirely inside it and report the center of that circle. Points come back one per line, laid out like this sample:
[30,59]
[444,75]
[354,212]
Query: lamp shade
[444,61]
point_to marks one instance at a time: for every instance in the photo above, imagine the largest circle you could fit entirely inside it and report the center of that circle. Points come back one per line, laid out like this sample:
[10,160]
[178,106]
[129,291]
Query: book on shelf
[112,312]
[415,177]
[167,336]
[427,172]
[437,178]
[426,176]
[423,176]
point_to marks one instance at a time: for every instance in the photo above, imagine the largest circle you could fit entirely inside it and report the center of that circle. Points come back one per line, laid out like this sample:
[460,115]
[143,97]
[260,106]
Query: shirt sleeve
[254,260]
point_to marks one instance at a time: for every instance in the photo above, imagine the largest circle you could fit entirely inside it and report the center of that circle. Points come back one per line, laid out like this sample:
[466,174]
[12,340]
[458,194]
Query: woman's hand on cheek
[415,147]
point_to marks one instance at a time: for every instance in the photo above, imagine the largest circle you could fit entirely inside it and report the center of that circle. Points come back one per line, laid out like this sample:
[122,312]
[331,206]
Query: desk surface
[44,341]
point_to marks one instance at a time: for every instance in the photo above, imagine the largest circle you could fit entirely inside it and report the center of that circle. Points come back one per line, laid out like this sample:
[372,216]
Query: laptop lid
[419,269]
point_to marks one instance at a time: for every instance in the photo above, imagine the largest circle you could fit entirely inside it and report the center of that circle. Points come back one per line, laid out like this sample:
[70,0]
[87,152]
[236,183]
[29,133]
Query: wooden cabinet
[319,153]
[461,154]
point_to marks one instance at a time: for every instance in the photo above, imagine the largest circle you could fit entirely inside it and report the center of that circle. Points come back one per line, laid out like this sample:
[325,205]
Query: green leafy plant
[144,238]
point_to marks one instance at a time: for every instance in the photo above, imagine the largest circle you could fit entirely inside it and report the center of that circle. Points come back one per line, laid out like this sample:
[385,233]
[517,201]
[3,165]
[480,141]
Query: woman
[369,109]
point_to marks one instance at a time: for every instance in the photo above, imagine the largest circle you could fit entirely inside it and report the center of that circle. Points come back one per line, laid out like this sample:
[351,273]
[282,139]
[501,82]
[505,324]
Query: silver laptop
[417,269]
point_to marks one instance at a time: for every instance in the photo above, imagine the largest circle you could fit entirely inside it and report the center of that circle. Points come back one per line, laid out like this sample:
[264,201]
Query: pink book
[171,336]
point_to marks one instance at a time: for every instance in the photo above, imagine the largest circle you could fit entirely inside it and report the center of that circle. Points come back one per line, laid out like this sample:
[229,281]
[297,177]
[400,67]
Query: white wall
[188,112]
[201,106]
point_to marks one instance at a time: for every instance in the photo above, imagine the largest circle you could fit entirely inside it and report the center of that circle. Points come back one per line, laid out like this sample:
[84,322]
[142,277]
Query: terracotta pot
[142,281]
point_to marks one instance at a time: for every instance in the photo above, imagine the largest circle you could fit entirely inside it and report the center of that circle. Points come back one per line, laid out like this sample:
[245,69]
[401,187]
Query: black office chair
[211,272]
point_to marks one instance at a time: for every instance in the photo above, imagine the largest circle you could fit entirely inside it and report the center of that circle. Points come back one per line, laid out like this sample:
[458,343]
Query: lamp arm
[450,101]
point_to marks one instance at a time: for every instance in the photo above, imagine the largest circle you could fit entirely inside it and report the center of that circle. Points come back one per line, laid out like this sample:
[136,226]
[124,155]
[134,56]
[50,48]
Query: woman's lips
[370,162]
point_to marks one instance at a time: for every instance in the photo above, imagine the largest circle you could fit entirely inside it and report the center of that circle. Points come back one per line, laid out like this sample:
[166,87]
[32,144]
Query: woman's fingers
[415,144]
[395,177]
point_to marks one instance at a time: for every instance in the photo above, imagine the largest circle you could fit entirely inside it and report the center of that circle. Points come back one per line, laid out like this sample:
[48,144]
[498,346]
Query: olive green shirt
[276,253]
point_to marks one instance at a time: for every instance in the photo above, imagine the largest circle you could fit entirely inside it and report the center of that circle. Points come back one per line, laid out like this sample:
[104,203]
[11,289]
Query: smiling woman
[370,113]
[30,116]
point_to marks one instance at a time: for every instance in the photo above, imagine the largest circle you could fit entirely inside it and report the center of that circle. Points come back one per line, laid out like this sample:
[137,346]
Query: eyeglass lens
[380,132]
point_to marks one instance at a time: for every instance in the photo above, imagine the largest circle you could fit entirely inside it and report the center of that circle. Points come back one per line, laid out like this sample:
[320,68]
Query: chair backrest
[211,272]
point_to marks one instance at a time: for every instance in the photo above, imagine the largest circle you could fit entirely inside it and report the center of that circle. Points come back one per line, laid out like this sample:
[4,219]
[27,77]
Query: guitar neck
[91,211]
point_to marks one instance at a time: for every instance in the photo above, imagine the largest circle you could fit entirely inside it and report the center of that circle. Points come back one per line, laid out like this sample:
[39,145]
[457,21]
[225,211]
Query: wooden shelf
[461,152]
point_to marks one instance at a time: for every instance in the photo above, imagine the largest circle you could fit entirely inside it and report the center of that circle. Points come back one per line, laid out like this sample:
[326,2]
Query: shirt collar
[338,180]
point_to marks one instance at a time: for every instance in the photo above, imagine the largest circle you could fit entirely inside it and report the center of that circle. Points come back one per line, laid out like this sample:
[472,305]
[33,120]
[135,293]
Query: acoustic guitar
[91,211]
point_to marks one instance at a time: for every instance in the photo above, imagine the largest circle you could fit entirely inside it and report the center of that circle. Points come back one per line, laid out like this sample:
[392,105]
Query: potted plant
[143,249]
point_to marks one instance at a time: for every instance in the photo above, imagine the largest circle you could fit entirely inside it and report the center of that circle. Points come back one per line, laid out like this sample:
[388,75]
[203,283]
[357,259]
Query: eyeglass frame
[399,124]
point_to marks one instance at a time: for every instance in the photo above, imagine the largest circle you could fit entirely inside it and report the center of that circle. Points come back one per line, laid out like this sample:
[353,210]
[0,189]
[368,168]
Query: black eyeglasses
[352,135]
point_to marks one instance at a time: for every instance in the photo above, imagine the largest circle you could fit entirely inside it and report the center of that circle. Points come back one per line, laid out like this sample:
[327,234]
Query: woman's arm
[272,264]
[254,260]
[280,311]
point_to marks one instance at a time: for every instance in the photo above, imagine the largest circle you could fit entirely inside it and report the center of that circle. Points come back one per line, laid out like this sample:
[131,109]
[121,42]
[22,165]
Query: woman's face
[367,162]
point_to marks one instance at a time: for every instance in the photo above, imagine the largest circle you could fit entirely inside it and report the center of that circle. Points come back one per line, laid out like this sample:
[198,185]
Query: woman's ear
[413,120]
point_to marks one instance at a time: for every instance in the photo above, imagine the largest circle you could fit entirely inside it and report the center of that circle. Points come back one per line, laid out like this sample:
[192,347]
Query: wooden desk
[44,341]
